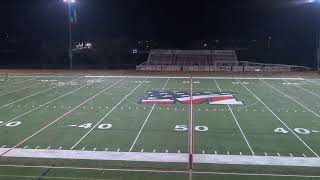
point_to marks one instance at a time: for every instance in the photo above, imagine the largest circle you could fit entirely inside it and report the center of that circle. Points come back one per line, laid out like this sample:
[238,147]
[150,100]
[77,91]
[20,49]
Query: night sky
[173,21]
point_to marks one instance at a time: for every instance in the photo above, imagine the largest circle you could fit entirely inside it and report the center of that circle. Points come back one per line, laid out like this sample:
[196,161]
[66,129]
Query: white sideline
[163,157]
[205,77]
[146,120]
[236,121]
[104,117]
[48,89]
[44,104]
[162,171]
[295,134]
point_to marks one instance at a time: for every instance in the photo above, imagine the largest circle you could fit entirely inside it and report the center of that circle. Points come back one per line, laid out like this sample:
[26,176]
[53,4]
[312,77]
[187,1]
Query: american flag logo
[168,97]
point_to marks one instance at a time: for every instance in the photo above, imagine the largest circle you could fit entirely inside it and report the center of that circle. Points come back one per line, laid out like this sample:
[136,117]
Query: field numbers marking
[11,124]
[298,130]
[89,125]
[182,128]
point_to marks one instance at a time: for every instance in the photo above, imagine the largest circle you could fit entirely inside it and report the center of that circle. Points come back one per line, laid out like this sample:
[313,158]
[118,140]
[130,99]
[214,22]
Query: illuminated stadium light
[69,1]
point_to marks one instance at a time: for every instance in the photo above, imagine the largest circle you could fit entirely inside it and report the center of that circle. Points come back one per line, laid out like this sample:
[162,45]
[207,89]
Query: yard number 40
[298,130]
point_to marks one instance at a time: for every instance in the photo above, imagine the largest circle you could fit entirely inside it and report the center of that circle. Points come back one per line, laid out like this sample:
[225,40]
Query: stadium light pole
[70,32]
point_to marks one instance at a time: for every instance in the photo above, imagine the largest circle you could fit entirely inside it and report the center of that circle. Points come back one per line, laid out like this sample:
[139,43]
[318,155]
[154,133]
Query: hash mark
[241,153]
[215,152]
[48,147]
[37,147]
[278,154]
[266,154]
[228,153]
[118,149]
[60,147]
[166,150]
[94,149]
[304,155]
[25,147]
[290,154]
[203,152]
[106,149]
[154,150]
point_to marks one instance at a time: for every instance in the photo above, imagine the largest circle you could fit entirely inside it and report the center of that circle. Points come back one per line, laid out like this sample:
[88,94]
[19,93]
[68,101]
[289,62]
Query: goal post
[191,129]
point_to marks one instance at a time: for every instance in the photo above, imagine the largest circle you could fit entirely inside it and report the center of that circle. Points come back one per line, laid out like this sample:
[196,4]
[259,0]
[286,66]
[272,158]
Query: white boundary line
[175,77]
[284,161]
[42,105]
[162,171]
[236,121]
[34,94]
[146,120]
[281,120]
[104,117]
[292,99]
[59,118]
[304,89]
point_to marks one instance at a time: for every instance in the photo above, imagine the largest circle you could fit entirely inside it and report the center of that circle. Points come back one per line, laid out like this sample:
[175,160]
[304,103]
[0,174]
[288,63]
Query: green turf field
[279,118]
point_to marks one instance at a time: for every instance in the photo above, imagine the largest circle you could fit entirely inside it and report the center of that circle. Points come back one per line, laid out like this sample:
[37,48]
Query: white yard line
[146,120]
[236,121]
[59,118]
[305,89]
[281,121]
[104,117]
[33,95]
[162,171]
[42,105]
[292,99]
[20,89]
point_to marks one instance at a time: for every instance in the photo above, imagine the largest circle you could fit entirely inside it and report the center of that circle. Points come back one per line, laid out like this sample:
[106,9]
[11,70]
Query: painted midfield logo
[168,97]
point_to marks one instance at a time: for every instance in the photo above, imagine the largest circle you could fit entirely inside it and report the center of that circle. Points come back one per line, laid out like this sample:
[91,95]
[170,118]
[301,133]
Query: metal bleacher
[207,61]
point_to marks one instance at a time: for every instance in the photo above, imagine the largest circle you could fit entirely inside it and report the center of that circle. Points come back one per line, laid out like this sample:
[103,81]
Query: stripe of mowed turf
[223,135]
[93,121]
[156,130]
[38,121]
[292,115]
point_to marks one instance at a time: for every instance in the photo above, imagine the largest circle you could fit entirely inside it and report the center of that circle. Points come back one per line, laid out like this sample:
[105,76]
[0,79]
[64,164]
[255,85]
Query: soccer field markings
[292,99]
[298,137]
[236,121]
[146,120]
[104,117]
[48,89]
[44,104]
[67,113]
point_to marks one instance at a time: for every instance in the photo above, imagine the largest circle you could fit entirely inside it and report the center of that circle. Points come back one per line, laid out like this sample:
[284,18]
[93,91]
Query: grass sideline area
[280,117]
